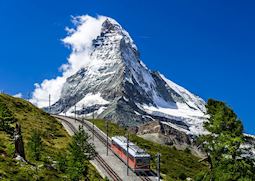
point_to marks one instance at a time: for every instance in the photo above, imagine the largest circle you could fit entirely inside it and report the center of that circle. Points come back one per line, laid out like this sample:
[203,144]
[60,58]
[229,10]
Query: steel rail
[99,159]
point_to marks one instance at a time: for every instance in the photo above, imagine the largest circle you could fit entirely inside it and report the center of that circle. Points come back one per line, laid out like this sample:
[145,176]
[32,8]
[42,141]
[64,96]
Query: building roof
[133,149]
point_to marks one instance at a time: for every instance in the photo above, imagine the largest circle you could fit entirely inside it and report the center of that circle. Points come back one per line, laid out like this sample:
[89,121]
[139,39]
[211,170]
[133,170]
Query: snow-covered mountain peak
[110,25]
[112,30]
[117,85]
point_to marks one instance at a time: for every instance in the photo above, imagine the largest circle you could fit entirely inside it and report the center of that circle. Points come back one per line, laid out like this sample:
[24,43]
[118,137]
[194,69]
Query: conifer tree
[35,145]
[223,145]
[6,118]
[81,151]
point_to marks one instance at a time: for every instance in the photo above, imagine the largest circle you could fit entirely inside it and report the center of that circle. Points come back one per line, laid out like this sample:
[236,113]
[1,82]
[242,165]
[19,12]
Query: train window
[145,161]
[139,160]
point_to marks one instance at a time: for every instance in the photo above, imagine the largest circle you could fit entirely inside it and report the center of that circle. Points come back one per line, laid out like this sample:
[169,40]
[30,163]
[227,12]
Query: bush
[62,162]
[201,176]
[187,150]
[182,176]
[10,150]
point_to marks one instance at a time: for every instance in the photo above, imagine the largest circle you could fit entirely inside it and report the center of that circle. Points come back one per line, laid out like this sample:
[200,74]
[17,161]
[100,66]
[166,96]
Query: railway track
[143,177]
[99,159]
[107,168]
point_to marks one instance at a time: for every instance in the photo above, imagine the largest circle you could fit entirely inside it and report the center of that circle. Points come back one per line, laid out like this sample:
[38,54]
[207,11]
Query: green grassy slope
[54,136]
[175,164]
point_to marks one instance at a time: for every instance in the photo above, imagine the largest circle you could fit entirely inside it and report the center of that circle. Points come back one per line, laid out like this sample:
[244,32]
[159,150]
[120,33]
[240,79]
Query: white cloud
[19,95]
[79,39]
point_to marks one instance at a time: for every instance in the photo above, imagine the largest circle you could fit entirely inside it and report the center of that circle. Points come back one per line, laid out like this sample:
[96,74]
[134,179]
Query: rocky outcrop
[168,135]
[161,133]
[19,144]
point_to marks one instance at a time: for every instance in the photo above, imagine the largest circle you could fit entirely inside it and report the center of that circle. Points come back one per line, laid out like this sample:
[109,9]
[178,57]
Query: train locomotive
[138,159]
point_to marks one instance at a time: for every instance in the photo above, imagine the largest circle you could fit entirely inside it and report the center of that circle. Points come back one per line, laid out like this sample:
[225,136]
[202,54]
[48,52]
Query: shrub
[182,176]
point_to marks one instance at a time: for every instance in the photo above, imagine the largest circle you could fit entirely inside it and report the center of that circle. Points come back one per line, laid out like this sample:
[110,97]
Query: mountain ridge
[124,89]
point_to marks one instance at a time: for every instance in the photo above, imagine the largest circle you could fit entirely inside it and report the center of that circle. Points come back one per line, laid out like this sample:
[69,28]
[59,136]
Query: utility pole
[65,106]
[49,104]
[93,125]
[107,126]
[83,117]
[127,152]
[158,166]
[75,112]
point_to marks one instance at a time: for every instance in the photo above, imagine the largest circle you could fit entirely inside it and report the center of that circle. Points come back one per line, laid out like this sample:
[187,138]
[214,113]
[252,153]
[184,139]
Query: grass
[54,136]
[175,164]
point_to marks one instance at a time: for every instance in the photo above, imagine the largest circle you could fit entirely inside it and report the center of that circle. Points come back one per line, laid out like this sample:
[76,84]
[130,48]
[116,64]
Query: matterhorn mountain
[116,85]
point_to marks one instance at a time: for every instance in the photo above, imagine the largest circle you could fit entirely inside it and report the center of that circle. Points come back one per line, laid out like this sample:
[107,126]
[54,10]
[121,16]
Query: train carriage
[138,160]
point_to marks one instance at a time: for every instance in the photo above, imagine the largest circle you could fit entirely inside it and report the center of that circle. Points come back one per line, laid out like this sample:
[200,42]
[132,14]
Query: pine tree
[6,118]
[81,151]
[35,145]
[223,145]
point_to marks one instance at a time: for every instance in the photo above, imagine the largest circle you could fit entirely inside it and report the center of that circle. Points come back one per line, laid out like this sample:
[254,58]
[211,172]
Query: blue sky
[205,46]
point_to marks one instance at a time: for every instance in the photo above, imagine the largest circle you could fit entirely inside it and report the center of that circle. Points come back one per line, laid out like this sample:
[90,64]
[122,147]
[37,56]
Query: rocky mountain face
[116,85]
[164,134]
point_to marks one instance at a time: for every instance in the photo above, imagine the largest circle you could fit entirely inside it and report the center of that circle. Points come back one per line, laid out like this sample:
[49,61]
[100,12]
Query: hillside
[55,141]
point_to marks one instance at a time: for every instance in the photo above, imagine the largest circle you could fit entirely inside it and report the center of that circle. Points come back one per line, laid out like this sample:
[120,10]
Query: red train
[138,160]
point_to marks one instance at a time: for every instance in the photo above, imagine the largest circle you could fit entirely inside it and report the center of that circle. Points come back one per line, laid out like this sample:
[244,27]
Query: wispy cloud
[19,95]
[79,39]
